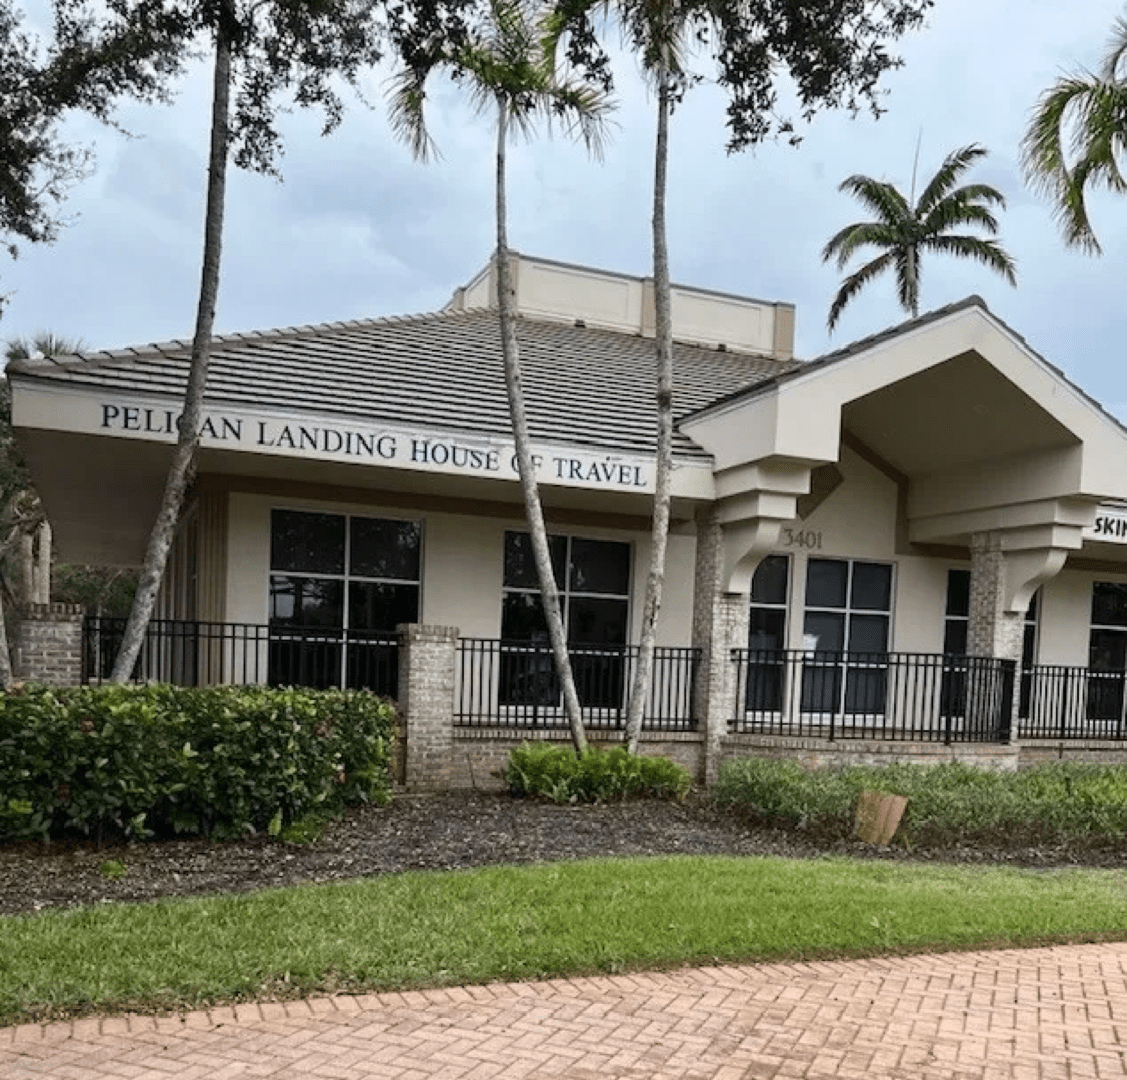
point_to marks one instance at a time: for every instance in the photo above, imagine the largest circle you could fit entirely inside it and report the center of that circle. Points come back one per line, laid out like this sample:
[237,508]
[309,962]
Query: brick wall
[49,645]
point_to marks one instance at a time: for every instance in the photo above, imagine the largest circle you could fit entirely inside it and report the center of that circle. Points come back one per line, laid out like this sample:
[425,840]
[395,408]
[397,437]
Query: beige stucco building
[840,526]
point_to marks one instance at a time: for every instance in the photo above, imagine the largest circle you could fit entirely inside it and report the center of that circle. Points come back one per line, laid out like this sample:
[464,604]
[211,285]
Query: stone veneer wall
[49,644]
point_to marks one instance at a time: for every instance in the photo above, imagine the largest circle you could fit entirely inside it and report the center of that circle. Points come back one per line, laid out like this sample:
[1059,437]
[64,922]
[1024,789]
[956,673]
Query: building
[915,545]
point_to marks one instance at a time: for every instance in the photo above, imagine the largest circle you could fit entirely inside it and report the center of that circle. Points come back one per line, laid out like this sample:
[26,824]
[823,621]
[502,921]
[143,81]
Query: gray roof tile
[583,386]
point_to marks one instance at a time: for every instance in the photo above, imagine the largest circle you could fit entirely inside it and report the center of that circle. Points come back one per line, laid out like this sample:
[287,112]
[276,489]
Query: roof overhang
[982,432]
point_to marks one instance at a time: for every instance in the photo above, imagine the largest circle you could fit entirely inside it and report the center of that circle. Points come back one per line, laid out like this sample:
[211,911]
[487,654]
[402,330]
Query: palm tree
[262,49]
[508,69]
[1082,117]
[41,343]
[904,229]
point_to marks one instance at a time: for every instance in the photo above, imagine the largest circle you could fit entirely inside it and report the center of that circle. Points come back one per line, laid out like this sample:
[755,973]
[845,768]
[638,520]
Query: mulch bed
[448,831]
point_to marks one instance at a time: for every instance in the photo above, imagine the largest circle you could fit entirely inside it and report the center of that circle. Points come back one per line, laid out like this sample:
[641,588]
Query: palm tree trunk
[534,513]
[663,334]
[188,437]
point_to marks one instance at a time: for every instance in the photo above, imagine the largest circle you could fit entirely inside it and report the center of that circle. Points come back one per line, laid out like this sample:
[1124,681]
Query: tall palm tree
[260,49]
[509,71]
[1083,118]
[41,343]
[906,228]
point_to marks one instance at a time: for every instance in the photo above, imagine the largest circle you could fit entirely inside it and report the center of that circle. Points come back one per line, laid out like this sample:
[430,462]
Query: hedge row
[948,805]
[139,761]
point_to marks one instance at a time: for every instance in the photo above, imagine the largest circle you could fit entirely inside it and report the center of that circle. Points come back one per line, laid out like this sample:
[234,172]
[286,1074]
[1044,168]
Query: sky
[358,229]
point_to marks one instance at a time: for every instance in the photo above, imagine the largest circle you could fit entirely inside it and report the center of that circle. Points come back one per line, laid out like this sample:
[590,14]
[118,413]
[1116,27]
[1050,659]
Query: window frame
[343,634]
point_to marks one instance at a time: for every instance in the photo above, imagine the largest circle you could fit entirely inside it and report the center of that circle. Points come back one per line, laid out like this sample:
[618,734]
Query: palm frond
[908,277]
[1077,140]
[988,252]
[879,196]
[853,284]
[954,165]
[407,112]
[842,246]
[959,209]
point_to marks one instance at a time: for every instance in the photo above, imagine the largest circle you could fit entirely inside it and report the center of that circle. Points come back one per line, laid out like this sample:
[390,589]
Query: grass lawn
[444,928]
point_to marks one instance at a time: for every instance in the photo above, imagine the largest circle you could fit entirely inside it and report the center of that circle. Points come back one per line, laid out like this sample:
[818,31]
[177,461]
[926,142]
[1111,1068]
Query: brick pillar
[720,624]
[49,644]
[992,630]
[427,657]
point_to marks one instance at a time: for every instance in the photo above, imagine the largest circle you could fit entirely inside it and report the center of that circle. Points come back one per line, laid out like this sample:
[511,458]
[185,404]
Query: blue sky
[358,229]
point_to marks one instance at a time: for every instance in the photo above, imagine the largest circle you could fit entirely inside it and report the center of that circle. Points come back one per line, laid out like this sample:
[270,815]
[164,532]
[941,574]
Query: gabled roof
[583,386]
[855,348]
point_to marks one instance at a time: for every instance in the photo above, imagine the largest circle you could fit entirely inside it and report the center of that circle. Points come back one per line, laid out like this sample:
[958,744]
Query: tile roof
[583,386]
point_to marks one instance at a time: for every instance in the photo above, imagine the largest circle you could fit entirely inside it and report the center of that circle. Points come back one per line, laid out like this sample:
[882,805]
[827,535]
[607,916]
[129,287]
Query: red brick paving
[1037,1014]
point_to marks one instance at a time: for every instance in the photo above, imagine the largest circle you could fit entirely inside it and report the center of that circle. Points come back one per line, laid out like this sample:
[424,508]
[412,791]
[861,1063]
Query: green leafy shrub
[158,760]
[1064,803]
[557,773]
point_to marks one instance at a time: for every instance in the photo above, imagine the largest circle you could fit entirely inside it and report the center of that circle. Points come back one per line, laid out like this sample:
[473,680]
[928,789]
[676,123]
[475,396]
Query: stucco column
[720,624]
[427,656]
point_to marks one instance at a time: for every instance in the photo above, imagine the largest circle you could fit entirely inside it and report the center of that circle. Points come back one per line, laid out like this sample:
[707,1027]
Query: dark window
[1107,652]
[593,577]
[338,586]
[826,581]
[767,636]
[846,627]
[307,543]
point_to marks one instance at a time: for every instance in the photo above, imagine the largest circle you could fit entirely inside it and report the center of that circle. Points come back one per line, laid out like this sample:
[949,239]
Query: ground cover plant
[558,773]
[506,922]
[948,805]
[158,760]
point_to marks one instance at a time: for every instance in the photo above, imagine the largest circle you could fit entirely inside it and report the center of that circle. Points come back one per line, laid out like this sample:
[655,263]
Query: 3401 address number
[803,538]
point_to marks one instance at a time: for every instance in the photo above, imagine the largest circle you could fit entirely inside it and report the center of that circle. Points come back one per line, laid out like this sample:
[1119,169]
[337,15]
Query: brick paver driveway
[1029,1015]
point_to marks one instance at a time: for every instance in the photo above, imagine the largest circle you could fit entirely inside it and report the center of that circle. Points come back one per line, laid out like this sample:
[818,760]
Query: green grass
[429,929]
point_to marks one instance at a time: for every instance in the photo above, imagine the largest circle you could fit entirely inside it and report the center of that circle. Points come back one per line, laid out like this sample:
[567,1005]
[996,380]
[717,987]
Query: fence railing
[1073,703]
[514,684]
[894,696]
[191,653]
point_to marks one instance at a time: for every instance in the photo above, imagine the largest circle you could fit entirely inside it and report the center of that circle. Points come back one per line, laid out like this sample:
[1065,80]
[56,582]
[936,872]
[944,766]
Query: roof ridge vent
[581,323]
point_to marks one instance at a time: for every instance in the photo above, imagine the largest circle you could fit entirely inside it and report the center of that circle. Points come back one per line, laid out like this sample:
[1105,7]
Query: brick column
[49,644]
[427,657]
[720,624]
[992,629]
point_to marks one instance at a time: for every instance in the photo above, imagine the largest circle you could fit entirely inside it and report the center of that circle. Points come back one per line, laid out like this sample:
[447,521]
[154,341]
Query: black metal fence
[895,696]
[514,684]
[190,653]
[1073,703]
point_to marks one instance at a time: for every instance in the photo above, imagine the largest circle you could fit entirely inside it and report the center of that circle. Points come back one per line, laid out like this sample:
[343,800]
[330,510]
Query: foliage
[556,773]
[161,760]
[834,54]
[948,805]
[1077,140]
[101,590]
[38,86]
[905,228]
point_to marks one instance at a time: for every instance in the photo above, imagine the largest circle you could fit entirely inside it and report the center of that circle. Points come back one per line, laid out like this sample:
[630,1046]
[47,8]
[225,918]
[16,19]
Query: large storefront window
[593,577]
[848,615]
[339,586]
